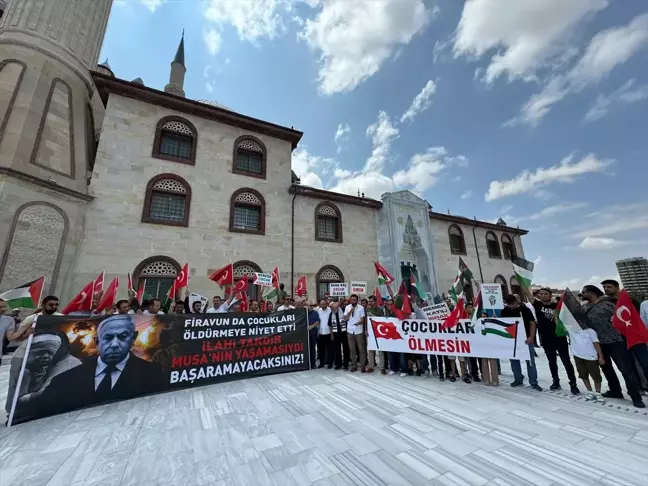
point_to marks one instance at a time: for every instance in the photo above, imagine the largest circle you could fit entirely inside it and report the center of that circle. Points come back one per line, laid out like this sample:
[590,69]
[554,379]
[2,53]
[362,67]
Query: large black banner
[76,362]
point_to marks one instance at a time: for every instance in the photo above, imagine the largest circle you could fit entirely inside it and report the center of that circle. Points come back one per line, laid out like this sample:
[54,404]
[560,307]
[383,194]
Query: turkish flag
[385,330]
[140,291]
[99,283]
[242,285]
[275,278]
[82,302]
[109,296]
[182,280]
[456,314]
[301,286]
[628,322]
[223,276]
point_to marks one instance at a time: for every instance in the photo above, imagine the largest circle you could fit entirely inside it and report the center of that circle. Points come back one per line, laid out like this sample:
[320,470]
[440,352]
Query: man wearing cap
[545,311]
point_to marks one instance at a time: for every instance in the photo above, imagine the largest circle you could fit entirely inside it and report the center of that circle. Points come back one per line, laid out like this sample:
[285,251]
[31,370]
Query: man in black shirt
[516,309]
[545,312]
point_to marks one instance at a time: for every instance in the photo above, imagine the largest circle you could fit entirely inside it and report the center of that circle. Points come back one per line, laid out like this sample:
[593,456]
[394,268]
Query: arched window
[457,241]
[247,212]
[328,222]
[327,274]
[243,268]
[167,201]
[516,288]
[156,274]
[508,247]
[249,157]
[492,245]
[502,281]
[175,140]
[35,245]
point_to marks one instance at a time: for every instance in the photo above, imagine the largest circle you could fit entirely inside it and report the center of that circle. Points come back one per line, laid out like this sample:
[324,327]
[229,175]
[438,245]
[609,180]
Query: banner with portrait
[74,362]
[486,338]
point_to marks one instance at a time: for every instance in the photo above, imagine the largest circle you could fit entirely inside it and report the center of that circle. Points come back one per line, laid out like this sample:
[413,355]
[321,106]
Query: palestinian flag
[479,308]
[383,275]
[464,276]
[414,286]
[570,314]
[170,297]
[465,272]
[270,294]
[27,295]
[503,329]
[523,270]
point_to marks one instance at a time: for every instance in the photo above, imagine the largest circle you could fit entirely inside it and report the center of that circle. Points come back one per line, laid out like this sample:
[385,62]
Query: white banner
[359,288]
[491,296]
[437,312]
[339,289]
[489,338]
[194,297]
[263,279]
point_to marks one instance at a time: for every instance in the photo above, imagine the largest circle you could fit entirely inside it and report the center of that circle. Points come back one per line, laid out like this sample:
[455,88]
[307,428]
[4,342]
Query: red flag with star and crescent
[628,322]
[223,276]
[82,302]
[385,330]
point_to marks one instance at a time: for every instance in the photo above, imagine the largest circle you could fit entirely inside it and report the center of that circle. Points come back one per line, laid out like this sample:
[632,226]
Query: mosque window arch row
[176,139]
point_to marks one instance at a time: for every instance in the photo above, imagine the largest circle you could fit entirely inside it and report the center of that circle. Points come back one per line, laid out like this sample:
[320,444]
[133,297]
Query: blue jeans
[398,362]
[532,371]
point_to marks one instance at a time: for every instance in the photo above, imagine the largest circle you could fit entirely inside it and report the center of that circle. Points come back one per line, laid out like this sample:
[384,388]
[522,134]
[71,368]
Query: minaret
[178,70]
[47,132]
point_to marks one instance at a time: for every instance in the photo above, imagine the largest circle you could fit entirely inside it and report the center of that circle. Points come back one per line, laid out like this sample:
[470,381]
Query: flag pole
[23,365]
[40,297]
[517,323]
[374,334]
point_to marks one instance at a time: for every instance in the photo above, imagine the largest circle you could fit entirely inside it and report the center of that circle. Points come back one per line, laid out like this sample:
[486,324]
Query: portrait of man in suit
[116,374]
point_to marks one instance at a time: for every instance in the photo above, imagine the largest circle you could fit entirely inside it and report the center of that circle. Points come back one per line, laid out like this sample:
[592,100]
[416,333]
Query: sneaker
[330,367]
[638,403]
[599,398]
[353,368]
[536,387]
[515,384]
[362,369]
[466,379]
[441,378]
[487,383]
[611,394]
[453,379]
[391,373]
[383,372]
[476,379]
[369,370]
[589,396]
[555,386]
[337,368]
[320,366]
[574,390]
[403,375]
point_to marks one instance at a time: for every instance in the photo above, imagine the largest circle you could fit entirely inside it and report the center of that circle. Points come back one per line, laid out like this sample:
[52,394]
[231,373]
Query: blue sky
[532,110]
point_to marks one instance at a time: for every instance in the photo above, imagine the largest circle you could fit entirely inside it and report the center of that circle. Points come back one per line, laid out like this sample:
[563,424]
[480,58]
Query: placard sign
[437,312]
[359,288]
[339,289]
[263,279]
[491,296]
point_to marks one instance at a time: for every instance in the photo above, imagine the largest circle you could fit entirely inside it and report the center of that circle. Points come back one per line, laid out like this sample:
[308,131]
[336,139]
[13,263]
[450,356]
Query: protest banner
[338,289]
[491,296]
[358,287]
[488,338]
[263,279]
[75,362]
[437,312]
[193,298]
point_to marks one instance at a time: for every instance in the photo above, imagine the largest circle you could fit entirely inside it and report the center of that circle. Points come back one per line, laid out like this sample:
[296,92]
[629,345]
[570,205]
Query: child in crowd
[588,356]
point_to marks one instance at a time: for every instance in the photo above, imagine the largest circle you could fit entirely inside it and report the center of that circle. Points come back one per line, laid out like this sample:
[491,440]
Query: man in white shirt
[154,308]
[287,305]
[324,342]
[354,314]
[219,306]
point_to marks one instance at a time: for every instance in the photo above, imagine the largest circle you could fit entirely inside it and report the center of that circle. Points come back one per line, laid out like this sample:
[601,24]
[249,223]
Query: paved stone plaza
[331,428]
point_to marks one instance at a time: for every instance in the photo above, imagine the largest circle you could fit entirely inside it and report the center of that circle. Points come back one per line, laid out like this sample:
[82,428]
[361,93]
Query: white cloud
[306,165]
[371,184]
[564,172]
[209,87]
[252,19]
[382,134]
[423,170]
[467,194]
[355,38]
[612,221]
[607,50]
[212,40]
[523,36]
[551,211]
[599,243]
[341,135]
[421,102]
[152,5]
[626,94]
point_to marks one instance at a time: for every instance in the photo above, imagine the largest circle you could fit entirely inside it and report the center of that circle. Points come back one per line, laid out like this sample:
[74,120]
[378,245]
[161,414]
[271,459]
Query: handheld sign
[359,288]
[263,279]
[491,296]
[338,289]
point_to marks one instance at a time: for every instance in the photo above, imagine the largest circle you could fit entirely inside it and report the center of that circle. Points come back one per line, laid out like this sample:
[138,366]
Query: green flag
[464,276]
[523,270]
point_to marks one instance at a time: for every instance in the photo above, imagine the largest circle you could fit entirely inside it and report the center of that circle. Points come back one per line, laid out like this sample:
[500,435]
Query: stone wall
[117,240]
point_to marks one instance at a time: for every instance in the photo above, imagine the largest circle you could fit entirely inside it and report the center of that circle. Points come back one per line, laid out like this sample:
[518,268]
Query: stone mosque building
[97,172]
